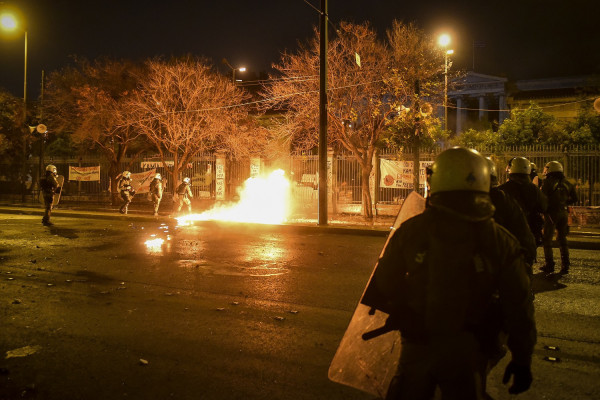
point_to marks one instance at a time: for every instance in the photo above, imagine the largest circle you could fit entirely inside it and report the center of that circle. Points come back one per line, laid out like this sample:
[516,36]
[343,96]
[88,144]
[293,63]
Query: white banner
[141,181]
[85,174]
[399,174]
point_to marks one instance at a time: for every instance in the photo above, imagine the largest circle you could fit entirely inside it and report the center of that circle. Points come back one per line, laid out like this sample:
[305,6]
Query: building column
[459,115]
[502,115]
[482,108]
[255,167]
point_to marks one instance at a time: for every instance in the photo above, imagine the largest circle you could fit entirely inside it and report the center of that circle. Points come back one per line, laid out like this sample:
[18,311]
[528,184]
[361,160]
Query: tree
[417,80]
[11,110]
[532,126]
[185,108]
[89,100]
[359,100]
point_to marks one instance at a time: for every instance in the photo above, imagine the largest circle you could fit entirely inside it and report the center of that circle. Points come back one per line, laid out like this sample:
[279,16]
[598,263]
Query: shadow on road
[64,232]
[93,277]
[546,283]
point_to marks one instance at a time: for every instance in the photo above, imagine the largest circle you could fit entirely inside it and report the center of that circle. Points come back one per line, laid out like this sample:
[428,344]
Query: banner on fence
[85,174]
[159,164]
[399,174]
[141,181]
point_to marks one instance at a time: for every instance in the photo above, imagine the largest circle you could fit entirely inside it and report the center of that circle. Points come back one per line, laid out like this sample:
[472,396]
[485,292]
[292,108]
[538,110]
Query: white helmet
[520,165]
[126,174]
[553,166]
[460,168]
[157,176]
[51,168]
[186,180]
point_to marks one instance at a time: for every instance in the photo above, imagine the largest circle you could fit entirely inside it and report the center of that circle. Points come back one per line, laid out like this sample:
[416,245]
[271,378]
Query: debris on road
[23,351]
[293,311]
[17,301]
[279,318]
[143,362]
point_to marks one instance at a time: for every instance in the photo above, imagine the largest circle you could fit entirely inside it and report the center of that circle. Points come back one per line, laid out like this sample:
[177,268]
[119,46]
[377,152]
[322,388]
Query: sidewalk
[580,237]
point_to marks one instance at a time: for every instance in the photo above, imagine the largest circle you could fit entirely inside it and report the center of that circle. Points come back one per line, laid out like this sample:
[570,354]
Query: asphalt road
[89,311]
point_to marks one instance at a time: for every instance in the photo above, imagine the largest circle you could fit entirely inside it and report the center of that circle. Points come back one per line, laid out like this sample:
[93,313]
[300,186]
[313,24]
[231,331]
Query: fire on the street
[262,200]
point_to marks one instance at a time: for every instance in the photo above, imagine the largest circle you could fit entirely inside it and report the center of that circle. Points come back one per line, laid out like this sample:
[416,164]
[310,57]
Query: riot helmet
[186,180]
[51,168]
[126,174]
[493,171]
[553,166]
[157,176]
[520,165]
[460,169]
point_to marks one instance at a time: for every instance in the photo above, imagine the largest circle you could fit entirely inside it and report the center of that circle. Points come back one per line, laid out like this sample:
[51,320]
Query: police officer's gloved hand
[522,377]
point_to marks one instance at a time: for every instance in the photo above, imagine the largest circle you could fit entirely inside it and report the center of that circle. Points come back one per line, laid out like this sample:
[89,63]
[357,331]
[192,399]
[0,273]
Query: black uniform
[531,199]
[510,215]
[126,192]
[561,193]
[49,186]
[453,279]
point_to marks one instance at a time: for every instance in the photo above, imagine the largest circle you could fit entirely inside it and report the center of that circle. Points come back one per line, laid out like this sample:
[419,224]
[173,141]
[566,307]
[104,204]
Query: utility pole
[323,115]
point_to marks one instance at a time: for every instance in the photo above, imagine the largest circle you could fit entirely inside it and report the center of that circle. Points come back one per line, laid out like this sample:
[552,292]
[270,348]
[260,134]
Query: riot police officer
[509,214]
[184,192]
[561,193]
[442,274]
[126,191]
[50,188]
[156,192]
[531,199]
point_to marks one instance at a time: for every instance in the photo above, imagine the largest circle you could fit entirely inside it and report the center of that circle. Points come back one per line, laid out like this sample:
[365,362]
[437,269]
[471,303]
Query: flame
[262,200]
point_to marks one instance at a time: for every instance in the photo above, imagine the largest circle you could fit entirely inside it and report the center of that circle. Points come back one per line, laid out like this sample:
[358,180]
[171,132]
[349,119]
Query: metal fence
[581,165]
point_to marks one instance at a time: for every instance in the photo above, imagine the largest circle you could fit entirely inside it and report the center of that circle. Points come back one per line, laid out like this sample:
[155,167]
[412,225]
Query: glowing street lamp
[8,22]
[241,69]
[444,41]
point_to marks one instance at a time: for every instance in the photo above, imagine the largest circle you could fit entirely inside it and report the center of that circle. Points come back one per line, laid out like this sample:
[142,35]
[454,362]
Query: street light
[241,69]
[444,41]
[8,22]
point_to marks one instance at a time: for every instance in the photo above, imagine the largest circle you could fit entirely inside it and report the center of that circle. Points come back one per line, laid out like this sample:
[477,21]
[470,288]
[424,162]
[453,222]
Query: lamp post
[241,69]
[444,41]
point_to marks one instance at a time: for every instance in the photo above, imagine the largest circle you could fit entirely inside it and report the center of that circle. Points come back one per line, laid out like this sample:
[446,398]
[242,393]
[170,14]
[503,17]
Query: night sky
[523,39]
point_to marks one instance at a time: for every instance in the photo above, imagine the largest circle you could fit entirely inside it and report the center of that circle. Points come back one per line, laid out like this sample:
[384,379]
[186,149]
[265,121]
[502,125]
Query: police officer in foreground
[156,192]
[452,279]
[50,188]
[126,191]
[184,192]
[508,213]
[561,193]
[531,199]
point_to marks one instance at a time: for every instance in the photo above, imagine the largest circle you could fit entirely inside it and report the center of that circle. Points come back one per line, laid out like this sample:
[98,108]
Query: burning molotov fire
[262,200]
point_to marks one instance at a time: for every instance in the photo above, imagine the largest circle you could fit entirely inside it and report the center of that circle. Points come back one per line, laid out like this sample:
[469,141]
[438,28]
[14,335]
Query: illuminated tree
[88,101]
[359,101]
[185,108]
[417,68]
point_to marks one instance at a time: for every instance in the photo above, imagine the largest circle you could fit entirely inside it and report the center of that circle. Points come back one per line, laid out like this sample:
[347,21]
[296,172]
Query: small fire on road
[262,201]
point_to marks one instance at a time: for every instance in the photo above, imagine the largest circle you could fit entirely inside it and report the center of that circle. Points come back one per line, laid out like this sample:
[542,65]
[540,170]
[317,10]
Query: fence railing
[581,165]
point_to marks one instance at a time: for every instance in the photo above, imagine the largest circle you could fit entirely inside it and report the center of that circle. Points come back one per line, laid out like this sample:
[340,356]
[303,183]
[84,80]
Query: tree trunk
[367,204]
[113,171]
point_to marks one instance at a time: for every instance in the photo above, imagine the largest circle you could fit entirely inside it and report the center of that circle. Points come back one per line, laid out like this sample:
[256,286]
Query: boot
[549,257]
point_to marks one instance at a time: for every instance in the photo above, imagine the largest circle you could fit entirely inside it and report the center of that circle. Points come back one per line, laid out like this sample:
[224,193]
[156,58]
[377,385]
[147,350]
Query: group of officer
[456,279]
[155,193]
[544,205]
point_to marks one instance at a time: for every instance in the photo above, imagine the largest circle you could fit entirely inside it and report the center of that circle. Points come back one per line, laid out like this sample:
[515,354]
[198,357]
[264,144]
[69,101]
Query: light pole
[444,41]
[241,69]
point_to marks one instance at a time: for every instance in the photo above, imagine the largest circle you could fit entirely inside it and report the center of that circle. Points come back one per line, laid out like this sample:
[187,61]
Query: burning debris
[262,200]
